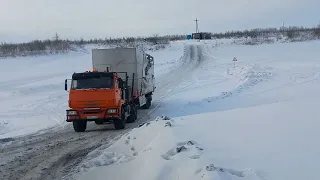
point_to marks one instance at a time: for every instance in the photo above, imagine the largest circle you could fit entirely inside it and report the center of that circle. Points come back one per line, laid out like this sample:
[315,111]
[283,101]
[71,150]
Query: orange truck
[122,81]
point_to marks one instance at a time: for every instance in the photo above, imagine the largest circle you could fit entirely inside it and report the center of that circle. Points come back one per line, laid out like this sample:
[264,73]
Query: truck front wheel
[79,126]
[120,123]
[148,103]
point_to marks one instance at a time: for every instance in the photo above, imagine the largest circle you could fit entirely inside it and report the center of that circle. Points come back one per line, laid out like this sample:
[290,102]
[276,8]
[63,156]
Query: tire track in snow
[191,59]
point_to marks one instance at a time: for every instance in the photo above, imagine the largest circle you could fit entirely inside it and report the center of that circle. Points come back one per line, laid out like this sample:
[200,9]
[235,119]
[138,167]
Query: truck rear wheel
[120,123]
[79,126]
[136,115]
[133,114]
[148,103]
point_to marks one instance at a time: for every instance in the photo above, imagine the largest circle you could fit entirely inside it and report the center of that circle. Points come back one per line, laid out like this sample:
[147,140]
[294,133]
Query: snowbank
[250,143]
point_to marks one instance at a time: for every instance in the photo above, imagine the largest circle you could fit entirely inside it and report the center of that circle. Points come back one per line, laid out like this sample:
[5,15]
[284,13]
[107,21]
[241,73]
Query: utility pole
[197,27]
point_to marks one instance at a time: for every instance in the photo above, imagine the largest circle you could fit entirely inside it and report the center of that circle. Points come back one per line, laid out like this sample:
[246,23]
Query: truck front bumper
[111,119]
[98,115]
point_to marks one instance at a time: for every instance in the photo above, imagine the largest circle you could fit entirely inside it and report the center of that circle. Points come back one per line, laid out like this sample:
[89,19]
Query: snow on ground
[258,120]
[33,91]
[32,88]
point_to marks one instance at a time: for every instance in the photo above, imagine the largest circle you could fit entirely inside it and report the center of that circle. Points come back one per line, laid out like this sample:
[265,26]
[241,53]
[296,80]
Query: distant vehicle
[122,81]
[201,35]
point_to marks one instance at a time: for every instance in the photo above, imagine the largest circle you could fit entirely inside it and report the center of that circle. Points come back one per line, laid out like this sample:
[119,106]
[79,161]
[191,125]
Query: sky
[25,20]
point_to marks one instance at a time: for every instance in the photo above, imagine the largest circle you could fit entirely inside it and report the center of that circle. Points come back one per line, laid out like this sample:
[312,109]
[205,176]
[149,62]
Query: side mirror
[66,85]
[121,85]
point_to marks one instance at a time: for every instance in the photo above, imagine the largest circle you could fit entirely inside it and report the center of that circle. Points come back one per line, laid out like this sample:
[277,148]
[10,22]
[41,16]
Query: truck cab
[102,97]
[122,81]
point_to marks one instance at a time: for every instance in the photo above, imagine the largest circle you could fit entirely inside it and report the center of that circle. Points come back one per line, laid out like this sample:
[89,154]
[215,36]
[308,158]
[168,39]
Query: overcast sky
[23,20]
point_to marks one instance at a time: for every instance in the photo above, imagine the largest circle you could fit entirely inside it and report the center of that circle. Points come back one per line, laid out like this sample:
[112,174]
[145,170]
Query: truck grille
[91,112]
[92,103]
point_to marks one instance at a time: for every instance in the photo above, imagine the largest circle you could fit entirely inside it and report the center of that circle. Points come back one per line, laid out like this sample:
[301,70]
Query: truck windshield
[92,83]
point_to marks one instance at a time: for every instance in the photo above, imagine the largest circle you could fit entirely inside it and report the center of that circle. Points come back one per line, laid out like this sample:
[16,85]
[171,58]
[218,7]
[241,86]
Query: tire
[136,114]
[148,103]
[79,126]
[120,123]
[133,115]
[98,122]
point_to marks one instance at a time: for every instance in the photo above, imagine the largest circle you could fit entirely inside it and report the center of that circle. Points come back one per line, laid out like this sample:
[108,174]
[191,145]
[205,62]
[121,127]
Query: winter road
[54,154]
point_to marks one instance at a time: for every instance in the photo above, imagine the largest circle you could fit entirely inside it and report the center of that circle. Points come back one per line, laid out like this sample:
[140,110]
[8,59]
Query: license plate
[92,117]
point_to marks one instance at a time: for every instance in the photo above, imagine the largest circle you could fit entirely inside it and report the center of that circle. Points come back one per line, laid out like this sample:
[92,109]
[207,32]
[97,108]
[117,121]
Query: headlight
[71,113]
[112,111]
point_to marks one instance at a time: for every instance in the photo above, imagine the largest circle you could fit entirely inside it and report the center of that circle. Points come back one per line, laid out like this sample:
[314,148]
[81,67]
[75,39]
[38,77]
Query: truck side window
[120,83]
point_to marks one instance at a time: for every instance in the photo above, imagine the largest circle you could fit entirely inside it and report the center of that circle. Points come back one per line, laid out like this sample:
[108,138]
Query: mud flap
[142,100]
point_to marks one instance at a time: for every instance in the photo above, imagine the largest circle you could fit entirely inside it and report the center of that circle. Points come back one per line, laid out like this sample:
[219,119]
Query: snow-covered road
[255,121]
[52,152]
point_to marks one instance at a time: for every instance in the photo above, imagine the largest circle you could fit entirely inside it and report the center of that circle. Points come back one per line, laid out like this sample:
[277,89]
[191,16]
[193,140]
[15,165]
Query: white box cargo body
[131,60]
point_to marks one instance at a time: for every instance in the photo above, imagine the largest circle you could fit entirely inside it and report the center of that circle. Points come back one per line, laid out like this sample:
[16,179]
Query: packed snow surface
[258,120]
